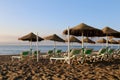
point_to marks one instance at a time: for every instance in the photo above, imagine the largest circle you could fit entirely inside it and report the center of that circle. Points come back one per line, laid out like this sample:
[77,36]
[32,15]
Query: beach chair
[34,54]
[25,54]
[87,55]
[116,54]
[109,54]
[99,55]
[73,53]
[22,55]
[50,53]
[16,57]
[58,52]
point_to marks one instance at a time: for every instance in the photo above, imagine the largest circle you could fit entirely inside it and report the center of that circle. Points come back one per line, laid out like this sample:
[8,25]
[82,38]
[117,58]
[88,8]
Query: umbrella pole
[82,48]
[107,41]
[54,47]
[37,48]
[31,47]
[118,46]
[82,41]
[68,46]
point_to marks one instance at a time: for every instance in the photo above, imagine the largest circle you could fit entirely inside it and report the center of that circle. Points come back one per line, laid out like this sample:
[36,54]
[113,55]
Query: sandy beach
[44,70]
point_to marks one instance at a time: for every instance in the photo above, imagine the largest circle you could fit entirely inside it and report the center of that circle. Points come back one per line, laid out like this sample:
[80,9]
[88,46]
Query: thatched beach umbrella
[112,41]
[31,37]
[110,32]
[54,38]
[83,30]
[119,41]
[102,40]
[87,40]
[73,39]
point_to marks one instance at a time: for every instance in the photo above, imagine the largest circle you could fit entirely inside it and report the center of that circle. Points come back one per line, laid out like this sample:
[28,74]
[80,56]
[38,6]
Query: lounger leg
[51,61]
[12,58]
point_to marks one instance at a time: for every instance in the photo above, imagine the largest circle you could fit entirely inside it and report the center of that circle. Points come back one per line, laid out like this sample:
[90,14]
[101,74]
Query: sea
[17,49]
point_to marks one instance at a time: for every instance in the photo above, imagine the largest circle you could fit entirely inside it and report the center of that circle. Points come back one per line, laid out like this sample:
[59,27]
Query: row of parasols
[79,30]
[32,38]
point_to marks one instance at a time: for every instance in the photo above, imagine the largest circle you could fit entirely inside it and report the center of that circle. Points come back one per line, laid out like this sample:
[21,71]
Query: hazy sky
[19,17]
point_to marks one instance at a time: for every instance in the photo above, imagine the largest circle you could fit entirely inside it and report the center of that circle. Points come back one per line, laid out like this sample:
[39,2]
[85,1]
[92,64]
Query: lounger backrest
[58,51]
[118,52]
[75,52]
[25,53]
[50,51]
[88,51]
[102,50]
[35,52]
[110,51]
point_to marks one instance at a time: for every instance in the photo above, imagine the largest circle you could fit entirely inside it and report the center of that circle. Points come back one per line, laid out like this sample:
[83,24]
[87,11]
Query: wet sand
[44,70]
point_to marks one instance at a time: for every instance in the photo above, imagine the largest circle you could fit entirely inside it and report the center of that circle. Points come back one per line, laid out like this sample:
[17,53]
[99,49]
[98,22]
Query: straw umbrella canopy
[30,37]
[119,41]
[84,30]
[73,39]
[110,32]
[54,38]
[87,40]
[102,40]
[112,41]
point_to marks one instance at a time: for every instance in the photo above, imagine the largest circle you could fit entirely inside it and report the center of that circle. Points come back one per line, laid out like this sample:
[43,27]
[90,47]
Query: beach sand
[44,70]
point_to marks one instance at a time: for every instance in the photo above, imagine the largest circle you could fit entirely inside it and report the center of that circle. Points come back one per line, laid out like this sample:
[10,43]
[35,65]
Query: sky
[20,17]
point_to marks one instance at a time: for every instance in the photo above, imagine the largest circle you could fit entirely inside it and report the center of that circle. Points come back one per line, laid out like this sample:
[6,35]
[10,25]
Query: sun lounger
[50,53]
[16,57]
[109,54]
[58,52]
[99,55]
[73,53]
[22,55]
[34,54]
[86,55]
